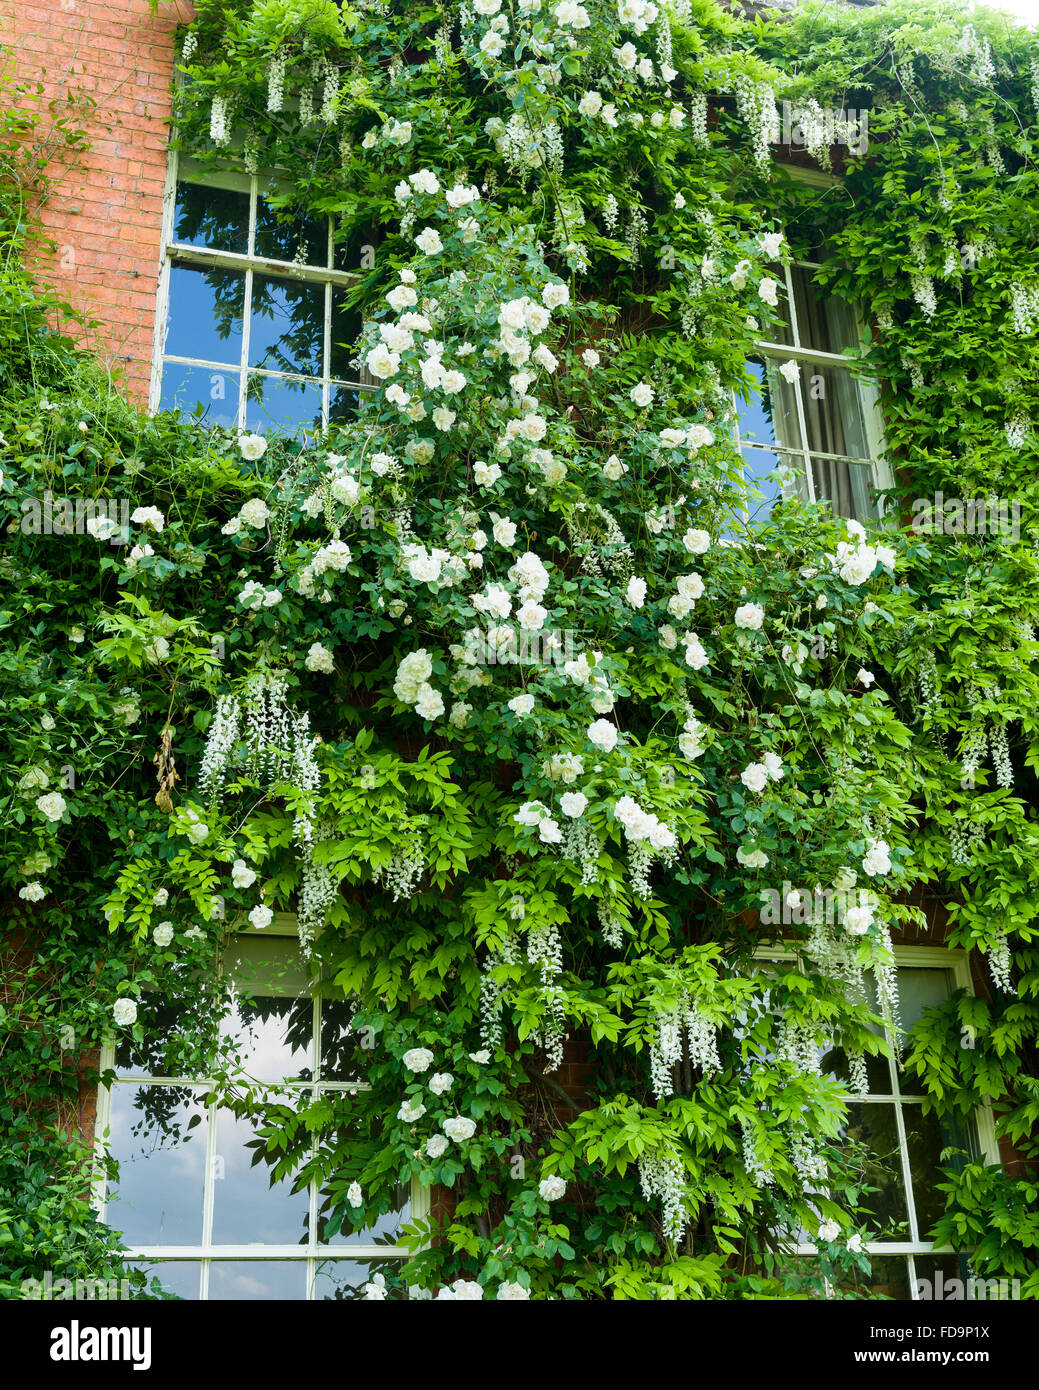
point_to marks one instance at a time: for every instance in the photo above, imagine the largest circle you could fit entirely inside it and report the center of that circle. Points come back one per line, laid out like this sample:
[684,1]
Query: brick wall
[105,217]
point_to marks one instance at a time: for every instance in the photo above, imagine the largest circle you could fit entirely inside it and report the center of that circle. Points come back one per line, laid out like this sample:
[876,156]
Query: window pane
[888,1278]
[206,312]
[759,468]
[925,1140]
[846,486]
[346,329]
[344,1280]
[250,1280]
[180,1277]
[342,1056]
[165,1025]
[824,322]
[273,403]
[158,1136]
[247,1210]
[287,326]
[343,404]
[874,1126]
[185,388]
[274,1037]
[935,1276]
[755,415]
[834,417]
[213,217]
[834,1064]
[287,236]
[385,1231]
[919,990]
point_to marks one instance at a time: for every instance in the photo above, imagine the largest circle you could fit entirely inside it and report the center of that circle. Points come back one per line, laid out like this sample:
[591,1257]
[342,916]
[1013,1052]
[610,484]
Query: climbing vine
[495,686]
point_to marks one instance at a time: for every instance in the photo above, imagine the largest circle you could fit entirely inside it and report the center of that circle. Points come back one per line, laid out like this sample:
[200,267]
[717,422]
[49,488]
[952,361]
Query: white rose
[428,241]
[551,1189]
[603,734]
[555,295]
[858,920]
[382,362]
[773,765]
[767,288]
[430,703]
[261,917]
[573,804]
[865,677]
[749,616]
[459,1128]
[642,394]
[163,934]
[754,777]
[441,1082]
[354,1195]
[241,874]
[521,705]
[124,1011]
[636,592]
[418,1059]
[436,1146]
[696,542]
[252,446]
[319,658]
[52,806]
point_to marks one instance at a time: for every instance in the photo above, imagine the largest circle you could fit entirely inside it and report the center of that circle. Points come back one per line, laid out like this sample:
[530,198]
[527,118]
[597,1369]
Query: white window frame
[800,459]
[179,253]
[922,957]
[205,1254]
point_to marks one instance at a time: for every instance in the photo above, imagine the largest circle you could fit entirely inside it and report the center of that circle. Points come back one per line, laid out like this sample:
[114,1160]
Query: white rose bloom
[590,104]
[614,469]
[382,362]
[754,777]
[252,446]
[549,832]
[698,437]
[854,1244]
[626,57]
[859,565]
[430,703]
[241,874]
[642,394]
[877,859]
[492,43]
[829,1231]
[773,765]
[124,1011]
[603,734]
[767,288]
[531,616]
[790,371]
[481,1058]
[459,1128]
[161,897]
[428,241]
[886,556]
[636,592]
[749,616]
[163,934]
[345,487]
[460,712]
[555,295]
[441,1082]
[32,892]
[551,1189]
[590,357]
[52,806]
[771,244]
[424,181]
[400,297]
[845,878]
[538,318]
[452,383]
[695,656]
[690,586]
[504,531]
[418,1059]
[521,705]
[261,917]
[467,1290]
[354,1195]
[864,677]
[444,418]
[436,1146]
[573,804]
[412,674]
[533,427]
[821,601]
[858,920]
[516,1293]
[151,516]
[668,637]
[696,542]
[752,858]
[738,278]
[319,658]
[531,813]
[486,474]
